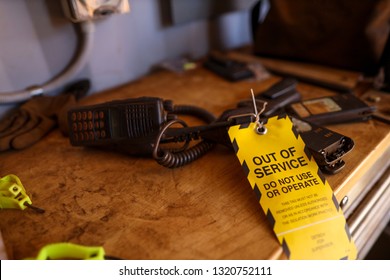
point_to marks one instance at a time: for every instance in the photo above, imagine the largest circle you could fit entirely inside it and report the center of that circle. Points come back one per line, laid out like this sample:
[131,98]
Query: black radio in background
[229,69]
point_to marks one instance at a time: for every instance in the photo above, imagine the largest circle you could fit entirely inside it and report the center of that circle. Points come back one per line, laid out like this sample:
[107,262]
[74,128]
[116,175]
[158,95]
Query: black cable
[173,160]
[178,158]
[194,111]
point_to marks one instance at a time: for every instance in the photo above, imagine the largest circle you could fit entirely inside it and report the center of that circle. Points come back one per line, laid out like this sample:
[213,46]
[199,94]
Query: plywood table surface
[137,209]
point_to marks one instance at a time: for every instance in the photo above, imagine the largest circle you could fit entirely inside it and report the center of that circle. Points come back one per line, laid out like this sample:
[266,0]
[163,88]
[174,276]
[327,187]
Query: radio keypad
[89,125]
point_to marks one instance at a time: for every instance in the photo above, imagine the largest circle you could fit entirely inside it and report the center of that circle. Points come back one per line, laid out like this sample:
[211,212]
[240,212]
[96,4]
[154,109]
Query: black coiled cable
[178,158]
[172,160]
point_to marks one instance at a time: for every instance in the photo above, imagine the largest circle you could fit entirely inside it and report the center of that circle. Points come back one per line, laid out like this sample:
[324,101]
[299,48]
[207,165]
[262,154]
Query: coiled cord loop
[179,157]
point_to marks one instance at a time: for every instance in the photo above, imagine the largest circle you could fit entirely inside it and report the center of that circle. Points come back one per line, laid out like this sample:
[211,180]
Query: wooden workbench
[137,209]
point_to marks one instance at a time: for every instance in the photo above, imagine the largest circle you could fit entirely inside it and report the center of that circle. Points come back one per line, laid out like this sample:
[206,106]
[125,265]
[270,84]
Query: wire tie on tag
[260,128]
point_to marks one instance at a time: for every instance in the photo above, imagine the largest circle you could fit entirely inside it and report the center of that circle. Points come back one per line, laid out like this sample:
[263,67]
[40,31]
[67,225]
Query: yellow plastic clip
[13,195]
[70,251]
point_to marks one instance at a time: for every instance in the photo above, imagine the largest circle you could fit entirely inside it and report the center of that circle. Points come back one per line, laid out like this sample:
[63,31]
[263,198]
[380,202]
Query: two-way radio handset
[129,125]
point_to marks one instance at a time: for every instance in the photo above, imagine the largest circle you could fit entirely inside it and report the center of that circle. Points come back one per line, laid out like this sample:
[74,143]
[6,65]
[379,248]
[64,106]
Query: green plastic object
[70,251]
[13,194]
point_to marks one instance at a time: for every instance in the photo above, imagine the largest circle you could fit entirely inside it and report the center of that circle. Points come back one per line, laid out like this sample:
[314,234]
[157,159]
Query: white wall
[37,42]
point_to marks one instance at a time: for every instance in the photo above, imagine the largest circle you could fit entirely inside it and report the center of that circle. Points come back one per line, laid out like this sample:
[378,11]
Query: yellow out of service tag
[292,191]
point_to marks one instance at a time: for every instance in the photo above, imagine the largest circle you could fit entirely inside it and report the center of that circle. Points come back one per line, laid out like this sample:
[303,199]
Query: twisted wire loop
[260,128]
[179,157]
